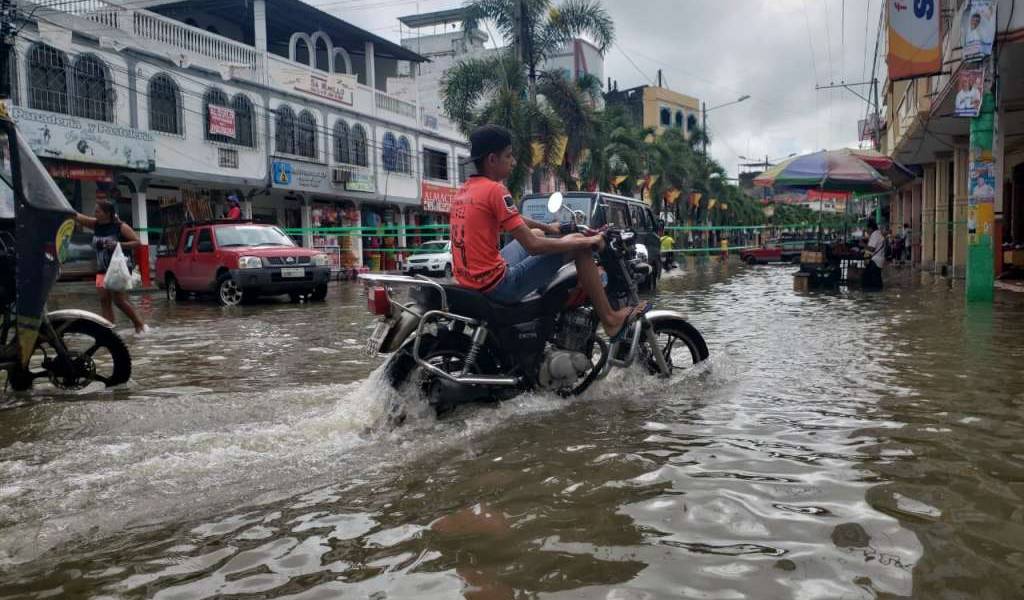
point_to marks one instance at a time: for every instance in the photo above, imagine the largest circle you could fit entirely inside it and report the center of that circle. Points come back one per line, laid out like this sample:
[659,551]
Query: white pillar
[140,219]
[307,224]
[371,66]
[259,12]
[357,243]
[247,210]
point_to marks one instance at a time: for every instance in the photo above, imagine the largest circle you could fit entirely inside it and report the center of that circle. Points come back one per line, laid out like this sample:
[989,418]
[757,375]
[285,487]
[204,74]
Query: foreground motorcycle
[459,347]
[71,348]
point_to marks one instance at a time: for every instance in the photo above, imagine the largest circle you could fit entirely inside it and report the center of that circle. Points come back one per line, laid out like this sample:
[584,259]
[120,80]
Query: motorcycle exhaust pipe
[486,380]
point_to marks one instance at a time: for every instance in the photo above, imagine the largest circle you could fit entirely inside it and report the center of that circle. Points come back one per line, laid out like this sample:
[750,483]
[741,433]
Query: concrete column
[140,219]
[371,66]
[915,223]
[402,243]
[307,224]
[357,241]
[247,209]
[928,217]
[961,167]
[942,216]
[259,12]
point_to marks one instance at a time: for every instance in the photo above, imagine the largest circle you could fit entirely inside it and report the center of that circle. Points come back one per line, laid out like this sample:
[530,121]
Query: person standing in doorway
[109,231]
[875,256]
[234,209]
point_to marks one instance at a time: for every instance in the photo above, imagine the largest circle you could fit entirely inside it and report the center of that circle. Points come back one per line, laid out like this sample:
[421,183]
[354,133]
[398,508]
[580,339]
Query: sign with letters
[64,137]
[915,46]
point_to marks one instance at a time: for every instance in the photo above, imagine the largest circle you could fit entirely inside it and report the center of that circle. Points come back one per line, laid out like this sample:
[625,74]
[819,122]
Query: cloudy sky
[718,50]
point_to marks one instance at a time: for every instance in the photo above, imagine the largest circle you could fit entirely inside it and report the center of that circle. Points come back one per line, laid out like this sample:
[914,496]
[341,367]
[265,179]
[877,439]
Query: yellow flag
[617,180]
[711,203]
[725,206]
[652,180]
[672,195]
[695,199]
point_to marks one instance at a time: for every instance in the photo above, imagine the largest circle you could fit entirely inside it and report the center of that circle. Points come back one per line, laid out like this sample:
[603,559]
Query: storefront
[323,207]
[430,221]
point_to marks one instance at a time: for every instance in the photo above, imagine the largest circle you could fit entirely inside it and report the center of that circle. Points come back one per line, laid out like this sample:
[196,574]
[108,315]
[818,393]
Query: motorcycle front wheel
[95,353]
[682,346]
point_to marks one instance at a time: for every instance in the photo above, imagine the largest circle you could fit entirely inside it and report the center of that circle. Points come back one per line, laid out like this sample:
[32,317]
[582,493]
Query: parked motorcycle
[71,348]
[457,346]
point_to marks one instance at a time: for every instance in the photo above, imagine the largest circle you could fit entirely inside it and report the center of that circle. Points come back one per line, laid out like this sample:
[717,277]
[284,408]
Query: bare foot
[620,318]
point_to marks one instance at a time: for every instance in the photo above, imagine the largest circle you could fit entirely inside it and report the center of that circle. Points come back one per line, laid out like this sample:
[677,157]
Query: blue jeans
[525,274]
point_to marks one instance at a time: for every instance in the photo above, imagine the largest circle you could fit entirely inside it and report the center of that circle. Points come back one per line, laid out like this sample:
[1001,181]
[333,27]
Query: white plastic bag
[118,277]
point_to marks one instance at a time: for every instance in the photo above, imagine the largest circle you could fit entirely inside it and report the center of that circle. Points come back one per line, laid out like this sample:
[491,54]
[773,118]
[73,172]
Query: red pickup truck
[239,261]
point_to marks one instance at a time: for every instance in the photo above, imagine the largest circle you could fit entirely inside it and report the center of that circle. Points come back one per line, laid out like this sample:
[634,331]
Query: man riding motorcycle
[483,208]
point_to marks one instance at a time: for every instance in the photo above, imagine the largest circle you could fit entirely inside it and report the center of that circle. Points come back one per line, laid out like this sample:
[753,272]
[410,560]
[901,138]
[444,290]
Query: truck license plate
[293,273]
[377,339]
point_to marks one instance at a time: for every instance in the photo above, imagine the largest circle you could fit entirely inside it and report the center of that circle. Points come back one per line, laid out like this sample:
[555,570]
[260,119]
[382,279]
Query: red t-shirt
[482,208]
[234,213]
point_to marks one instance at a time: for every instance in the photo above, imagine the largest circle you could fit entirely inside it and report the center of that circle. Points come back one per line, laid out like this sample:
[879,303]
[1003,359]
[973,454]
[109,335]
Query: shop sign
[437,198]
[336,87]
[222,121]
[80,173]
[64,137]
[302,176]
[361,182]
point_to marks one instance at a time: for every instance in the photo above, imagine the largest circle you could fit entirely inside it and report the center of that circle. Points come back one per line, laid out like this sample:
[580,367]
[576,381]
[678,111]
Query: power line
[638,69]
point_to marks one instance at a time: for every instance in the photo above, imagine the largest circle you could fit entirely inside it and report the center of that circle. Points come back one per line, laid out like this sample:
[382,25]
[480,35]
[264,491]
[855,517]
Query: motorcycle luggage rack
[419,280]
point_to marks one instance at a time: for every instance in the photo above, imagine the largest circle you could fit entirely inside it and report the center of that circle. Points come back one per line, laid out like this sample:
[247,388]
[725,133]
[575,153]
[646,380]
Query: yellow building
[658,108]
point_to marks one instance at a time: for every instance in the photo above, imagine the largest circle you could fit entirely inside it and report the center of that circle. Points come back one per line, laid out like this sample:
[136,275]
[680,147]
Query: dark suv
[607,209]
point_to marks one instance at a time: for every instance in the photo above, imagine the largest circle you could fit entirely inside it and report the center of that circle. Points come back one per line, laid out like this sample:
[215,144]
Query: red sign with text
[437,198]
[222,121]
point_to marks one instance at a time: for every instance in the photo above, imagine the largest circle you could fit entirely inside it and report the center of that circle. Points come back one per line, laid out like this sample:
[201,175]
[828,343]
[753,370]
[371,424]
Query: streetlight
[704,117]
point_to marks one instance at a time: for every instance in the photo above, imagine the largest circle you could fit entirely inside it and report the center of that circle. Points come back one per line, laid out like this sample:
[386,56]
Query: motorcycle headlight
[250,262]
[320,260]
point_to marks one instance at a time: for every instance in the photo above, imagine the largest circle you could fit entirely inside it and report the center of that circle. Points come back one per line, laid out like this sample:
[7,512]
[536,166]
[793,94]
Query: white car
[432,258]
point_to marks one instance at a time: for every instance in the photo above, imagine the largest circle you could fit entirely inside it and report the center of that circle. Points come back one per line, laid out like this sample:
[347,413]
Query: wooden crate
[802,282]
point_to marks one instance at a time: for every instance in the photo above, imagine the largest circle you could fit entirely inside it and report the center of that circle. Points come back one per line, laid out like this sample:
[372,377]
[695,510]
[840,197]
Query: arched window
[389,152]
[360,156]
[342,143]
[666,117]
[165,105]
[404,156]
[94,97]
[680,119]
[245,134]
[284,131]
[323,55]
[691,122]
[47,79]
[215,97]
[305,135]
[302,52]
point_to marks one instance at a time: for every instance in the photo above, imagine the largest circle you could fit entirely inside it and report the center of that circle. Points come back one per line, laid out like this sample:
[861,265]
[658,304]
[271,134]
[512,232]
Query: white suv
[431,258]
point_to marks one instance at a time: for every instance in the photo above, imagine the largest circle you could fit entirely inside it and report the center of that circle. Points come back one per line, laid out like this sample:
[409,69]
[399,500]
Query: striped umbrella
[827,170]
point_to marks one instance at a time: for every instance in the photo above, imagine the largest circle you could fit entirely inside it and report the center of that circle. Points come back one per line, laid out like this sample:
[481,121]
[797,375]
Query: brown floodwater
[839,445]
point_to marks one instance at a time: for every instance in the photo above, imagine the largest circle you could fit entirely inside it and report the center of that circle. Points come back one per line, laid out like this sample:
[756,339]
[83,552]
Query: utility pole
[7,11]
[704,127]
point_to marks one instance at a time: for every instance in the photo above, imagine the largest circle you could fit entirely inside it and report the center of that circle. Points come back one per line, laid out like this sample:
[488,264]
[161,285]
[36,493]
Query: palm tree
[573,103]
[548,27]
[491,90]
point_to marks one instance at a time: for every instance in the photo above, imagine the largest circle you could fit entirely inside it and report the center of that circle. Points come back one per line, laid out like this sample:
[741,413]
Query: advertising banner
[978,26]
[63,137]
[437,198]
[914,41]
[222,121]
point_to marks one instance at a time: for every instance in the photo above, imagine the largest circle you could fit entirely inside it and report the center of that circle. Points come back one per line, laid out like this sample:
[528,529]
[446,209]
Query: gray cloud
[717,50]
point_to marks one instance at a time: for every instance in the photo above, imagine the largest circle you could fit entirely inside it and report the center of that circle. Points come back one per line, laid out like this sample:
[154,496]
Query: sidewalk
[88,286]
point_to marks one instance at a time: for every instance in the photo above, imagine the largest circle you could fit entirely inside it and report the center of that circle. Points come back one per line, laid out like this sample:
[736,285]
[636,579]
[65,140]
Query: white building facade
[168,108]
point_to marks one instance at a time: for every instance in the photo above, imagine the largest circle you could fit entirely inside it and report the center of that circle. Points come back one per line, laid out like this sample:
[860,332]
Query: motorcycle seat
[473,304]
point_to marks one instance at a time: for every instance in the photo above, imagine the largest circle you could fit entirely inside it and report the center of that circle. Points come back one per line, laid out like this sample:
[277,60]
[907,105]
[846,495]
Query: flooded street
[840,445]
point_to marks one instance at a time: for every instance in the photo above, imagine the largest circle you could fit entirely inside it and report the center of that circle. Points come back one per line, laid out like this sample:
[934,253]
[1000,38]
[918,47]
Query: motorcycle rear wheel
[448,352]
[679,342]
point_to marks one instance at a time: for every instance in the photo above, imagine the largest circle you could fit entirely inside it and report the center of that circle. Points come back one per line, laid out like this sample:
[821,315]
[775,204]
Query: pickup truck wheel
[174,291]
[319,293]
[228,292]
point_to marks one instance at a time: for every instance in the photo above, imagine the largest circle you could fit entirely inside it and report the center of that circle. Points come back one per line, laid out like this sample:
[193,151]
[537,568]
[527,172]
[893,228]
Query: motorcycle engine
[575,330]
[562,369]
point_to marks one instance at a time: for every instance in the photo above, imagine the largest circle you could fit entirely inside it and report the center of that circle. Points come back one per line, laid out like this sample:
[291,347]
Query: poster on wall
[914,42]
[64,137]
[222,121]
[983,182]
[978,27]
[970,84]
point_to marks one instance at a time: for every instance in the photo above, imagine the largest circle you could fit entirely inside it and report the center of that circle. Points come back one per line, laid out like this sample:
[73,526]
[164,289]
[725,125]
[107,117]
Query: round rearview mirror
[555,202]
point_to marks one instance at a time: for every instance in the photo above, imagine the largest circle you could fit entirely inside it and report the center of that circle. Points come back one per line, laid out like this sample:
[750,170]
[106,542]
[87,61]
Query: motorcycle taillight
[377,301]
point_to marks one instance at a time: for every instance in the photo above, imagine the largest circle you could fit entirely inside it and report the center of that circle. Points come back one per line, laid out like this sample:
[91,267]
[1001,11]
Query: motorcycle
[458,347]
[71,348]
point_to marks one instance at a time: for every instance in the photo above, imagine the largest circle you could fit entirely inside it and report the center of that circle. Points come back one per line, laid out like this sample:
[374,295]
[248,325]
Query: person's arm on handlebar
[549,228]
[542,245]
